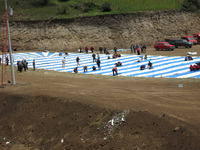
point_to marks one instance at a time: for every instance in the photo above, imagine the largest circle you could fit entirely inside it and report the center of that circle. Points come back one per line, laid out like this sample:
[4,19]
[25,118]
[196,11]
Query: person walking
[98,63]
[77,61]
[0,60]
[63,62]
[34,64]
[94,57]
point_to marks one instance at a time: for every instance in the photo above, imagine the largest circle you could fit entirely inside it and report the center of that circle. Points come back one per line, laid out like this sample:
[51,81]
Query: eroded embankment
[44,122]
[109,30]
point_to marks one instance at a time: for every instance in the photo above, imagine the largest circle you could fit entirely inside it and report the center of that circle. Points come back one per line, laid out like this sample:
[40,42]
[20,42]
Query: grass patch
[45,9]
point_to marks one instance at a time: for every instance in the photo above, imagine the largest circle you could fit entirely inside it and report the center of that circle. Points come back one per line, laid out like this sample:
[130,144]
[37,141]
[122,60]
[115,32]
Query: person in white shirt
[63,62]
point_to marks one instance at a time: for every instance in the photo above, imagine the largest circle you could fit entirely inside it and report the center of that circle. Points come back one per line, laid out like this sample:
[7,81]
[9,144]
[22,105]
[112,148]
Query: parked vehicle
[189,39]
[163,46]
[180,42]
[197,37]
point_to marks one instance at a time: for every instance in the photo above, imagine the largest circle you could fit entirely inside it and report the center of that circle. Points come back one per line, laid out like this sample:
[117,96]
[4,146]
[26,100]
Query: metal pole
[9,46]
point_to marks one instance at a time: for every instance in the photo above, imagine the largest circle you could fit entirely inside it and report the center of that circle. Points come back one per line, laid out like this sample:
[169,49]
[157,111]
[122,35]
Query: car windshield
[167,44]
[191,38]
[184,41]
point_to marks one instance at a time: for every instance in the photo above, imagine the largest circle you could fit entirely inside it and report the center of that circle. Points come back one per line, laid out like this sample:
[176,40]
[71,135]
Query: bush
[89,6]
[106,7]
[62,10]
[40,2]
[191,5]
[63,0]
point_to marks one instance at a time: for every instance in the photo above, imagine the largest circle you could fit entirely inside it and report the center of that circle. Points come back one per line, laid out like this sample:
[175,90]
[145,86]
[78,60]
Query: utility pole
[9,43]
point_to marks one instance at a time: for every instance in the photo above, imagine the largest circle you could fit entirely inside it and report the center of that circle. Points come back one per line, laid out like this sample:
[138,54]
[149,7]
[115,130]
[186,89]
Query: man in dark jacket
[98,63]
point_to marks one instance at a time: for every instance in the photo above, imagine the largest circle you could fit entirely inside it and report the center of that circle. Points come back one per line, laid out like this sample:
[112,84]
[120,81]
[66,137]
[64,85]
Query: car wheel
[186,46]
[190,46]
[176,46]
[172,49]
[157,48]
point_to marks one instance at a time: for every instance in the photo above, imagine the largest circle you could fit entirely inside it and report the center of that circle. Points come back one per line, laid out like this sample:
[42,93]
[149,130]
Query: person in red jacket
[192,68]
[76,70]
[86,49]
[92,49]
[196,67]
[115,71]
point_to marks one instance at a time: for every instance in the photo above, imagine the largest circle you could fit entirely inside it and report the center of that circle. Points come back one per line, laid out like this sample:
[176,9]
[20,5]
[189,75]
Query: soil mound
[43,122]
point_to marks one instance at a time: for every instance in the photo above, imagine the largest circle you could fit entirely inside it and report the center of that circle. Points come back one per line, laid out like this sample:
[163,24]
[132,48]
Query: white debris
[62,140]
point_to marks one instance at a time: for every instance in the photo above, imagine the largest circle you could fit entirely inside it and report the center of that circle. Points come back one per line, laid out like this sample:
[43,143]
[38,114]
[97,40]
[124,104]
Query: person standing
[104,49]
[134,48]
[98,57]
[86,49]
[98,63]
[63,62]
[144,48]
[77,60]
[34,64]
[7,60]
[100,49]
[115,50]
[94,57]
[92,49]
[131,48]
[138,51]
[141,48]
[0,60]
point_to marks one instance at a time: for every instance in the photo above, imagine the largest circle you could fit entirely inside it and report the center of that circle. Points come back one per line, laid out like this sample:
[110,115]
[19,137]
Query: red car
[197,37]
[190,39]
[163,46]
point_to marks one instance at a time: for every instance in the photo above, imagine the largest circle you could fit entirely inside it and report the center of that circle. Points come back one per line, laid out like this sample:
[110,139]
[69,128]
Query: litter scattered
[113,124]
[8,142]
[180,85]
[62,141]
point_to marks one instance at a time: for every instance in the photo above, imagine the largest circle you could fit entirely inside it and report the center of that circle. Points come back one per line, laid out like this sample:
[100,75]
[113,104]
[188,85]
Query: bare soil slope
[110,30]
[46,106]
[53,110]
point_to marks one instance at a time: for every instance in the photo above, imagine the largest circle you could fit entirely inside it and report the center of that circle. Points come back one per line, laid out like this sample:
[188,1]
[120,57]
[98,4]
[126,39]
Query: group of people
[101,50]
[188,57]
[97,60]
[136,48]
[22,64]
[195,67]
[149,65]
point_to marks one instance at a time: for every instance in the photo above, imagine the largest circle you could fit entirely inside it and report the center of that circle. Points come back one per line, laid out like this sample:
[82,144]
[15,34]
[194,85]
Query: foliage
[89,6]
[106,7]
[191,5]
[45,9]
[62,9]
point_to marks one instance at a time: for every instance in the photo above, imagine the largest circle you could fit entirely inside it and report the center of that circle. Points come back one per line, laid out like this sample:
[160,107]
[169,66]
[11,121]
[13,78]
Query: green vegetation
[46,9]
[191,5]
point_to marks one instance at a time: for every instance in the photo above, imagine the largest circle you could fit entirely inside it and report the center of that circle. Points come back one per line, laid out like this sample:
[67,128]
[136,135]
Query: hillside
[110,30]
[63,9]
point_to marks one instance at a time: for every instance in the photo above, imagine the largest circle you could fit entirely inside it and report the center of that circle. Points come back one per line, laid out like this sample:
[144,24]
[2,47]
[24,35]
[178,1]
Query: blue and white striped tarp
[163,66]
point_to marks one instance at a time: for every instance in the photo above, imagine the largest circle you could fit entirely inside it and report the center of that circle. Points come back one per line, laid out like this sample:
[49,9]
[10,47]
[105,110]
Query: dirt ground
[51,110]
